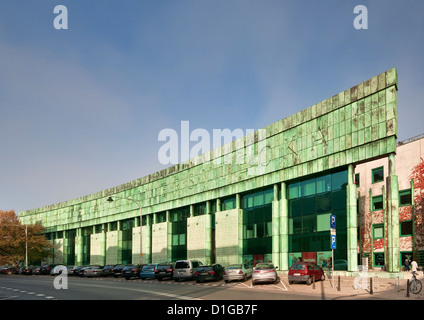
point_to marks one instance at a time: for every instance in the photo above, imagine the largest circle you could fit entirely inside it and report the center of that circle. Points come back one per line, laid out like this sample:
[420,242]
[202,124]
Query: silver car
[238,271]
[264,272]
[185,269]
[93,271]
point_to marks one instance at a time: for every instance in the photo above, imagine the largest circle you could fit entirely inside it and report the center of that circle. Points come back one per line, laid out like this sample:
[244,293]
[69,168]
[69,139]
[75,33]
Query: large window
[377,203]
[127,229]
[406,228]
[405,198]
[378,231]
[377,174]
[311,202]
[257,222]
[179,233]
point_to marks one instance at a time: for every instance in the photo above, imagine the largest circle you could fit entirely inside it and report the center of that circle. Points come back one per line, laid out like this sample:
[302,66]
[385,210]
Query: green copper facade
[222,206]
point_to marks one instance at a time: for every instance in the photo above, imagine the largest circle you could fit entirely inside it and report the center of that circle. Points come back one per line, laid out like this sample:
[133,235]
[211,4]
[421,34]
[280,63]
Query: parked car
[36,270]
[164,270]
[305,272]
[213,272]
[57,270]
[185,269]
[28,270]
[132,271]
[47,268]
[108,270]
[75,270]
[264,272]
[93,271]
[117,270]
[148,271]
[239,271]
[6,270]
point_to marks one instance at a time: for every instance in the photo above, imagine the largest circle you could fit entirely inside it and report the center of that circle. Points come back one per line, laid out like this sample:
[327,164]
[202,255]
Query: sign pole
[332,266]
[333,243]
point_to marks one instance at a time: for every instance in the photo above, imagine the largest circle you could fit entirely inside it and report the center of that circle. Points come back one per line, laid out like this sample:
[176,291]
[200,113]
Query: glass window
[406,228]
[228,204]
[269,196]
[378,231]
[309,223]
[258,199]
[308,187]
[339,180]
[295,207]
[308,204]
[323,183]
[357,180]
[377,203]
[199,209]
[377,175]
[294,190]
[379,259]
[323,222]
[324,204]
[405,198]
[160,217]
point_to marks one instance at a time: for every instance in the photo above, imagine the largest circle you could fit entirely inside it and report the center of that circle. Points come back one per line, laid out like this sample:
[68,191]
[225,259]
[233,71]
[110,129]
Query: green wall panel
[355,125]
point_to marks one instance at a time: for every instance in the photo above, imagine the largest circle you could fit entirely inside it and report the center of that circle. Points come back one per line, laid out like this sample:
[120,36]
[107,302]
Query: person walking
[406,265]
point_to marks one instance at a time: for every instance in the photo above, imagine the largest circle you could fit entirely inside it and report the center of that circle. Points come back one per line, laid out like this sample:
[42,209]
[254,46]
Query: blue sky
[81,109]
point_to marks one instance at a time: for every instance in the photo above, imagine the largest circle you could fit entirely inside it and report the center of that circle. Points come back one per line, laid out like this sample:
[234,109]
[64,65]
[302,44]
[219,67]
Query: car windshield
[234,266]
[298,266]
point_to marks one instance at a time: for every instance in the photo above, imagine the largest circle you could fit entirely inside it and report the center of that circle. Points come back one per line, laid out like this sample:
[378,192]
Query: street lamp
[110,199]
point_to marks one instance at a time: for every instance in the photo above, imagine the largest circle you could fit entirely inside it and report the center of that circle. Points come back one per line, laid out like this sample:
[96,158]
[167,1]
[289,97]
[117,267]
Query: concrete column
[148,240]
[276,228]
[284,229]
[392,186]
[208,235]
[103,245]
[79,246]
[169,235]
[352,221]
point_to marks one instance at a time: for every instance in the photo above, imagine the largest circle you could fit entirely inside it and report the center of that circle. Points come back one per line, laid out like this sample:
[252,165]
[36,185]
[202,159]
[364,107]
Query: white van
[185,269]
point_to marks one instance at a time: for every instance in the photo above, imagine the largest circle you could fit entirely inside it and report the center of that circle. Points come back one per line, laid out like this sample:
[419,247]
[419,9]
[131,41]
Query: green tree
[15,238]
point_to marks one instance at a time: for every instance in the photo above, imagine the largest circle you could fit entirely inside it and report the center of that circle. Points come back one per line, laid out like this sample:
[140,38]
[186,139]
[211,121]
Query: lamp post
[110,199]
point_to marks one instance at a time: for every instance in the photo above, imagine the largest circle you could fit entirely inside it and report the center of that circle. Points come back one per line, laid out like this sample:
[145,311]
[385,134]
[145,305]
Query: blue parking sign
[333,241]
[333,221]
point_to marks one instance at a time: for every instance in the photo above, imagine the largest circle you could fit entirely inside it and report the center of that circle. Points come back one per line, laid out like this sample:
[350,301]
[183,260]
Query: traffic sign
[333,221]
[333,242]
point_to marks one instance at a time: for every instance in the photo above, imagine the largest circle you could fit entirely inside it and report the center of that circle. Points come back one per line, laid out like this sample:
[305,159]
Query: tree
[418,176]
[14,237]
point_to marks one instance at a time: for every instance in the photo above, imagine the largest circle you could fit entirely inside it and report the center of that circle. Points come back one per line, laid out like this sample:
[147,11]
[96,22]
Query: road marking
[11,297]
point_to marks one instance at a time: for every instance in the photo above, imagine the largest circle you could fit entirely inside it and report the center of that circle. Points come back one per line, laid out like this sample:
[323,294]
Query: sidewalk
[383,288]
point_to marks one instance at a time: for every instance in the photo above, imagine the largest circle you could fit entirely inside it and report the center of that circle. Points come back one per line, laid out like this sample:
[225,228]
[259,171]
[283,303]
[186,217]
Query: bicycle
[415,285]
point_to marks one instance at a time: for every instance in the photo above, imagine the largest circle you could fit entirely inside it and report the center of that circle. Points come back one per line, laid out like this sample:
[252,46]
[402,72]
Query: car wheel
[290,282]
[127,278]
[323,277]
[309,281]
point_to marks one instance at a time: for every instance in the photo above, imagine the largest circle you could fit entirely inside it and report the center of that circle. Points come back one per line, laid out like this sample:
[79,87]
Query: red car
[305,272]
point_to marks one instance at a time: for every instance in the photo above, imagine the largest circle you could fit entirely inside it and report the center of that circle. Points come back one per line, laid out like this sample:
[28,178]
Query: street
[19,287]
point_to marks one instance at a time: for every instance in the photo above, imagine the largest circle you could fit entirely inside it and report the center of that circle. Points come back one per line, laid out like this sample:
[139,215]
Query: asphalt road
[21,287]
